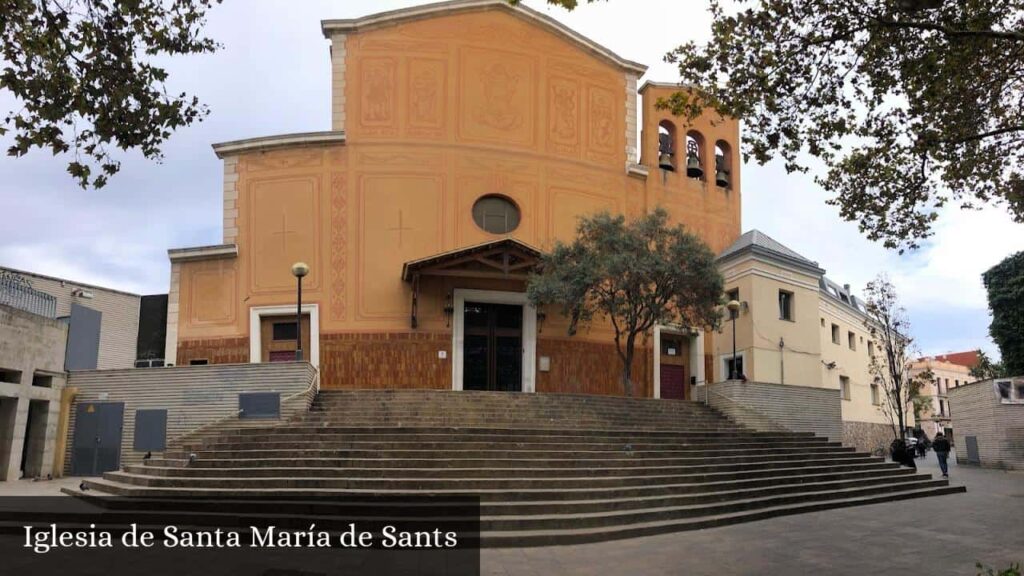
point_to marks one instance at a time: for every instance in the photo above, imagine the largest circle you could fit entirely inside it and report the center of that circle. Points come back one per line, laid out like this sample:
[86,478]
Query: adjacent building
[947,371]
[988,422]
[796,327]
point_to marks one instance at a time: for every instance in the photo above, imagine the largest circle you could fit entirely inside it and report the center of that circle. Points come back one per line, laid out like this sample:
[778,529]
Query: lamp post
[734,311]
[299,269]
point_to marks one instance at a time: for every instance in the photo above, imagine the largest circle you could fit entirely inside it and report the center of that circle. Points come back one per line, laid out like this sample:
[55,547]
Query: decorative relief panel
[496,100]
[401,218]
[284,228]
[564,116]
[378,100]
[283,159]
[428,97]
[339,245]
[212,294]
[602,130]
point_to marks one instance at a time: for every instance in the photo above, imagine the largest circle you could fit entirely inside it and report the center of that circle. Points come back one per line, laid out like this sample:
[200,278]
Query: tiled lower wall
[796,408]
[214,351]
[410,361]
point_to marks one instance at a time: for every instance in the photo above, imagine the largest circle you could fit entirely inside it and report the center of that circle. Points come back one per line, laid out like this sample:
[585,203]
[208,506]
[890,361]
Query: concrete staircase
[548,469]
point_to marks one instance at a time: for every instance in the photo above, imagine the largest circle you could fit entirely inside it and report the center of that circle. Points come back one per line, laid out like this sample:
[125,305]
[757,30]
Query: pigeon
[192,458]
[83,487]
[147,456]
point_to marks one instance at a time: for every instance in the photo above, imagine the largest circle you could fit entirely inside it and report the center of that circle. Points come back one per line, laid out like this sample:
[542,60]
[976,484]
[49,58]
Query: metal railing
[16,291]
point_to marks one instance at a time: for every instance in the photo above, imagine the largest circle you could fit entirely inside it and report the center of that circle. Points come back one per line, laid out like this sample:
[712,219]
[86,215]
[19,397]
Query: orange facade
[432,112]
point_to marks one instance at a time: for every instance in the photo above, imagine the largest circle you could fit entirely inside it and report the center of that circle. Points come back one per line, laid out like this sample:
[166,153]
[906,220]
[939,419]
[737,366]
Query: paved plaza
[943,536]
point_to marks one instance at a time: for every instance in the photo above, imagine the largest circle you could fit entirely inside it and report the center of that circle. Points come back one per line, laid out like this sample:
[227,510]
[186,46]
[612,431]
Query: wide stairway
[548,468]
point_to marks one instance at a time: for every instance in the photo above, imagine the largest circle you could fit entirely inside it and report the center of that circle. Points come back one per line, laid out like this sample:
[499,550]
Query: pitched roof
[346,26]
[760,243]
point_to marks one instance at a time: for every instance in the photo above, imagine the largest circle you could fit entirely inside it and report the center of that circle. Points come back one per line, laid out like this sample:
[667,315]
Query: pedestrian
[941,447]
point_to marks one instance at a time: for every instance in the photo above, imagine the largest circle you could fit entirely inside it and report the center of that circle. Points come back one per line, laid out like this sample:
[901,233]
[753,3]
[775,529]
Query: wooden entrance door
[493,347]
[675,354]
[277,338]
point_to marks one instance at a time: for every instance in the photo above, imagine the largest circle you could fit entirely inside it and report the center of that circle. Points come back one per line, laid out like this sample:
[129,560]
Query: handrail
[734,402]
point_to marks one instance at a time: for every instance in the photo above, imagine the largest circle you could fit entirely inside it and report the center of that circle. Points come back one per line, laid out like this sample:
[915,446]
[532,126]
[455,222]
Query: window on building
[737,373]
[731,295]
[871,348]
[876,396]
[496,214]
[835,333]
[198,362]
[946,388]
[1020,391]
[942,407]
[285,330]
[956,383]
[822,322]
[785,305]
[851,340]
[1005,390]
[844,387]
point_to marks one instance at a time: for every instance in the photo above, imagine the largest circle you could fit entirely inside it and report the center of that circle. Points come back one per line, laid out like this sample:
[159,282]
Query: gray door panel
[259,405]
[97,440]
[150,430]
[83,348]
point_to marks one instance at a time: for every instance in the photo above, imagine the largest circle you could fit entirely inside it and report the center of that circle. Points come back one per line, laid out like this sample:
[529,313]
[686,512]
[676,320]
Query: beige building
[949,371]
[988,422]
[796,327]
[117,314]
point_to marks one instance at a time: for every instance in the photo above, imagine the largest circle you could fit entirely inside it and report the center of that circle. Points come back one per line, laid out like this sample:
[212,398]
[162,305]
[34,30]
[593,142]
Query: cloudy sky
[272,76]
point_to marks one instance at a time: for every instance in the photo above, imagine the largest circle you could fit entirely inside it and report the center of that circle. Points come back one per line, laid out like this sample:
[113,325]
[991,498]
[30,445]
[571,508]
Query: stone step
[547,463]
[482,472]
[490,431]
[691,482]
[504,452]
[501,446]
[501,438]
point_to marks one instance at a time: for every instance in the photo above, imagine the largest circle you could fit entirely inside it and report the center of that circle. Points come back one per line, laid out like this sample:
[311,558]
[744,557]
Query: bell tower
[693,167]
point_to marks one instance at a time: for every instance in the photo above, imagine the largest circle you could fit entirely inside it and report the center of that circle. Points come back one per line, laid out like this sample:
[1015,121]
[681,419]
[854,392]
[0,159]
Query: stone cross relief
[400,229]
[284,232]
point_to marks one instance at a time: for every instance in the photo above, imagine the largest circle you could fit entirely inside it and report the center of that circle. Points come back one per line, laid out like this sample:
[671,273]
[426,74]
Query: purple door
[673,382]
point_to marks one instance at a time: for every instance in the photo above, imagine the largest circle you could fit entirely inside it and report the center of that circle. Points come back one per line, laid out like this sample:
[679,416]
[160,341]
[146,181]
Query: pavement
[940,536]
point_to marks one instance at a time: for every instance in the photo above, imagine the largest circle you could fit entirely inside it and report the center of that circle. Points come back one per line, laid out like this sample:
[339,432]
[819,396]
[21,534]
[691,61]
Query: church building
[466,137]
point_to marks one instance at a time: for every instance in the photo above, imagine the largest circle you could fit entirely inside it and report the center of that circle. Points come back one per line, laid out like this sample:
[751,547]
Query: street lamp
[734,311]
[299,269]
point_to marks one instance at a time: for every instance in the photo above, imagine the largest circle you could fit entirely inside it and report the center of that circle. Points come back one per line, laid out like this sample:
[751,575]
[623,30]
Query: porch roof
[506,258]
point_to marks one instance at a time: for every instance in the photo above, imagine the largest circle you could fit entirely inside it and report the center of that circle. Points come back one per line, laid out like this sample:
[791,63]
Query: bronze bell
[665,162]
[693,169]
[722,178]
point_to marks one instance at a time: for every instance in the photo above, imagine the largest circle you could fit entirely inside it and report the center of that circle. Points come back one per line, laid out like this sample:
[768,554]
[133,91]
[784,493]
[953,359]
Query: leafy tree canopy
[986,369]
[83,79]
[1005,285]
[911,104]
[636,275]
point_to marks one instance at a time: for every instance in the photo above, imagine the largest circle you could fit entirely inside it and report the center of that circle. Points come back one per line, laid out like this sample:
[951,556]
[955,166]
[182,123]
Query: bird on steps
[147,456]
[192,458]
[83,487]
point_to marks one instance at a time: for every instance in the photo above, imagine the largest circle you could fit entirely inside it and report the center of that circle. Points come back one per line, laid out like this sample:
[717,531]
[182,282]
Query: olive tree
[632,274]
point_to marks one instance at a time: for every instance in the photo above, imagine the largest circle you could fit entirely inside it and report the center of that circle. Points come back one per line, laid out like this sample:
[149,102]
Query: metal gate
[97,440]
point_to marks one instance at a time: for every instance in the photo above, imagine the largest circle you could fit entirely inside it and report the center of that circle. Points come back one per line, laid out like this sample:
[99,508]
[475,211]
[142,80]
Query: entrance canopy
[505,259]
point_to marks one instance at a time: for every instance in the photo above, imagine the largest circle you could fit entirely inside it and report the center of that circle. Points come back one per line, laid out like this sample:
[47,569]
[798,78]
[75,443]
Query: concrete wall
[766,406]
[30,346]
[194,396]
[120,325]
[999,426]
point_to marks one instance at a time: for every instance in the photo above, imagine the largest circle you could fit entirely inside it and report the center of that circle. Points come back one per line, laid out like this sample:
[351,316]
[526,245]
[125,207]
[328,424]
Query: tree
[889,327]
[82,75]
[986,369]
[635,275]
[1005,285]
[911,104]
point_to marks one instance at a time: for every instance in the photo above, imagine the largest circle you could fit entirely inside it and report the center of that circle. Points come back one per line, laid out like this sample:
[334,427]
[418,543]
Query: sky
[272,76]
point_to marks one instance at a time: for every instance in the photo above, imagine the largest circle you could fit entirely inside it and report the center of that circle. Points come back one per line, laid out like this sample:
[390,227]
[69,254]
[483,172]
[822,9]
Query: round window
[496,214]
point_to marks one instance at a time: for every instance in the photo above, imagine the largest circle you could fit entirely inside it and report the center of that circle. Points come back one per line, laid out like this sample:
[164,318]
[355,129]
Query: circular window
[496,214]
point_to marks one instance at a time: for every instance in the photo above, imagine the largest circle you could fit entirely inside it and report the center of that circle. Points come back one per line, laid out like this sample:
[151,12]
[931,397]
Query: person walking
[941,447]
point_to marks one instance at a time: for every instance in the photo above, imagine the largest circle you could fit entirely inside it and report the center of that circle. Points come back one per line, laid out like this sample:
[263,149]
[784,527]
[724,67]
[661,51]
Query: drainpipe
[782,361]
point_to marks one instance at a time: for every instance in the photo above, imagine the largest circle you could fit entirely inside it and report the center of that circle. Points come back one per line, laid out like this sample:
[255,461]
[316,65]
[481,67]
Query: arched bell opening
[723,164]
[667,146]
[695,155]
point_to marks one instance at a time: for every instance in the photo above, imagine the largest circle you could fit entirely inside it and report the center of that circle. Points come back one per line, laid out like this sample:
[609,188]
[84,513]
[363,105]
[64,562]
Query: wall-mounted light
[449,310]
[541,317]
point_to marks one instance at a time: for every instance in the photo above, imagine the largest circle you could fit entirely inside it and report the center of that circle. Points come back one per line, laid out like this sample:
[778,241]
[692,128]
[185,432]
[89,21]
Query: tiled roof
[758,241]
